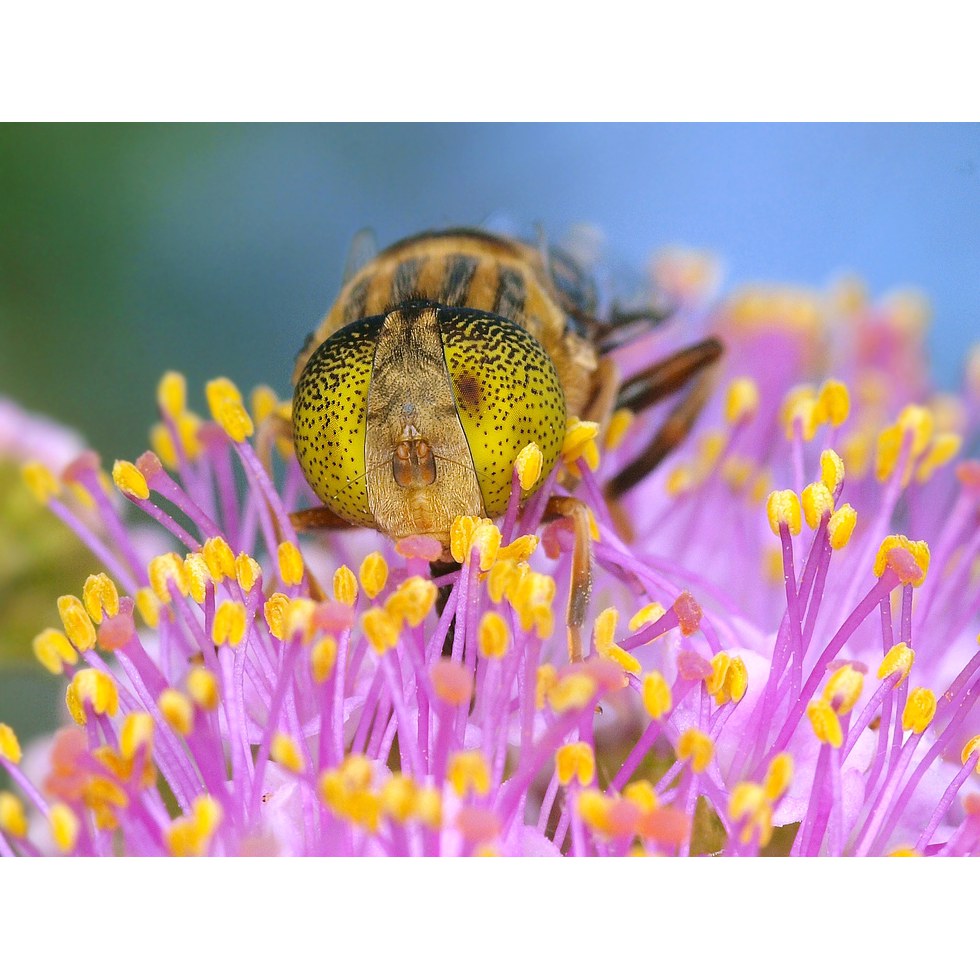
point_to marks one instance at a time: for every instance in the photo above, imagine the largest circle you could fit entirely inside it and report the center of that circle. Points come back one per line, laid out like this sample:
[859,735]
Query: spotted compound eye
[330,418]
[507,395]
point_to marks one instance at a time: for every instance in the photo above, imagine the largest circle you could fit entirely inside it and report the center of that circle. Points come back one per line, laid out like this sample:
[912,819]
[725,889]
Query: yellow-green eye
[507,395]
[330,418]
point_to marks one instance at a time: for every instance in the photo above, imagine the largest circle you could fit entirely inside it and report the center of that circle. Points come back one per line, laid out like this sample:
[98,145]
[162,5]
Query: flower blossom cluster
[780,645]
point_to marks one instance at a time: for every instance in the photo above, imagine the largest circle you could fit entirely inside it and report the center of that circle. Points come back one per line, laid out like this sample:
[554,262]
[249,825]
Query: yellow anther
[227,409]
[571,692]
[680,480]
[100,594]
[650,613]
[247,571]
[162,443]
[136,734]
[52,649]
[898,660]
[575,761]
[627,661]
[290,563]
[519,550]
[729,678]
[741,401]
[493,637]
[528,465]
[398,797]
[831,470]
[299,618]
[286,752]
[219,558]
[92,688]
[471,533]
[835,402]
[904,852]
[604,629]
[373,574]
[619,424]
[779,775]
[177,709]
[944,447]
[40,481]
[78,625]
[889,447]
[164,570]
[202,686]
[460,533]
[593,807]
[345,586]
[9,746]
[149,607]
[579,436]
[972,746]
[920,709]
[818,502]
[381,629]
[504,578]
[696,746]
[275,610]
[265,402]
[531,598]
[229,623]
[172,394]
[783,509]
[412,600]
[468,771]
[428,807]
[909,572]
[13,820]
[656,695]
[800,407]
[643,795]
[64,827]
[710,447]
[843,689]
[191,836]
[918,420]
[748,803]
[188,428]
[323,656]
[737,681]
[129,480]
[856,451]
[840,527]
[197,576]
[546,679]
[452,682]
[715,684]
[826,724]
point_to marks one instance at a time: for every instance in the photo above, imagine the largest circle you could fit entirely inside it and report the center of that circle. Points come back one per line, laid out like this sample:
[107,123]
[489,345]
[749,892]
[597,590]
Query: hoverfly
[442,358]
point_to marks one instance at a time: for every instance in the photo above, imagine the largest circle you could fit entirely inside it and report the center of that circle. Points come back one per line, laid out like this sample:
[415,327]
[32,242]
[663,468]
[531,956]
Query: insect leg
[318,518]
[654,384]
[623,326]
[580,590]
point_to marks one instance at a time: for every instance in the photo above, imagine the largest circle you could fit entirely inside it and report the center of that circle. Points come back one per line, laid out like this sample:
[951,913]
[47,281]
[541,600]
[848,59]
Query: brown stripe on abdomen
[404,283]
[456,279]
[511,293]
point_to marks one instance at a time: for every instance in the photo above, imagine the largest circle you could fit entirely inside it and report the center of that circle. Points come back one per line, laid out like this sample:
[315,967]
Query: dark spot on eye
[469,389]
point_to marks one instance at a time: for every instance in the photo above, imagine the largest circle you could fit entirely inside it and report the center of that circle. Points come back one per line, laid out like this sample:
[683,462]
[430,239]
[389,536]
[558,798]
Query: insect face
[405,420]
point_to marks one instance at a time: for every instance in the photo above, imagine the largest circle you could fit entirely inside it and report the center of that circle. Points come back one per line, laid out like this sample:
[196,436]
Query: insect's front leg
[580,588]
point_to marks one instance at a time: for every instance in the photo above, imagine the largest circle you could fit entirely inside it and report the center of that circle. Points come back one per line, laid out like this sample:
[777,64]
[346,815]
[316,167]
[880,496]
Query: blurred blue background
[213,249]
